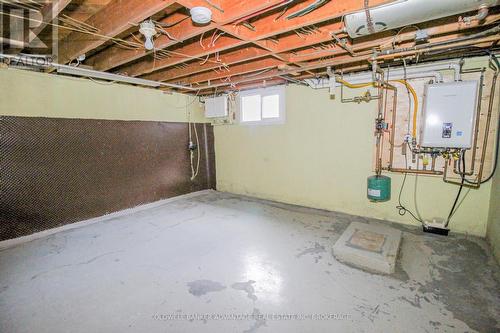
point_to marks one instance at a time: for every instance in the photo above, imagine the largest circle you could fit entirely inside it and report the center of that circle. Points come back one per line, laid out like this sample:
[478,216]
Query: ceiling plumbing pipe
[337,62]
[485,33]
[482,13]
[39,62]
[332,81]
[407,12]
[417,71]
[328,83]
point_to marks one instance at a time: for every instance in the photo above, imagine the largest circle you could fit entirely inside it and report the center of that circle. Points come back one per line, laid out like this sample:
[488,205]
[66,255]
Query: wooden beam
[183,54]
[110,21]
[270,26]
[243,68]
[245,86]
[217,16]
[49,12]
[299,40]
[386,39]
[333,9]
[348,59]
[229,58]
[115,56]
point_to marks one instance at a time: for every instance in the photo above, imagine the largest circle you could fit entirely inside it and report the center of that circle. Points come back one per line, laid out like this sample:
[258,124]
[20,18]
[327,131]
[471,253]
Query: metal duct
[406,12]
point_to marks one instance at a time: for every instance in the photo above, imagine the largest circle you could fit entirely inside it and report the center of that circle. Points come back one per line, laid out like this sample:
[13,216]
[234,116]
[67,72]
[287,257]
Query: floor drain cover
[369,246]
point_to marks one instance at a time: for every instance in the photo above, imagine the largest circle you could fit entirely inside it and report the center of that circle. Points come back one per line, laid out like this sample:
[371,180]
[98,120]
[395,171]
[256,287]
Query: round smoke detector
[201,15]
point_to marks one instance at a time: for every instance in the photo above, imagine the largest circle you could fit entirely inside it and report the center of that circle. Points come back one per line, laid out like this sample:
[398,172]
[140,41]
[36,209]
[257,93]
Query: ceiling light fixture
[147,28]
[201,15]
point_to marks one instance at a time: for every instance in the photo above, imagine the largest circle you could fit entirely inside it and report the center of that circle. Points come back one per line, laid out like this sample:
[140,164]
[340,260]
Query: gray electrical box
[449,114]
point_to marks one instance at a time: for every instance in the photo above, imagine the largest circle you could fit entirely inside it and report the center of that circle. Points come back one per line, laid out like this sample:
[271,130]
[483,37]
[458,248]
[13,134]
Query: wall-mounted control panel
[448,116]
[216,107]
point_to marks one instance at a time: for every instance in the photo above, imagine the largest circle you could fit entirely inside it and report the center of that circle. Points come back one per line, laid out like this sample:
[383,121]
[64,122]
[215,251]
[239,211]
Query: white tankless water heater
[449,115]
[406,12]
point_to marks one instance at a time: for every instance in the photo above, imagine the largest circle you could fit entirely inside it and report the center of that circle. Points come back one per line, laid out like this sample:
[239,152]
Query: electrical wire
[415,196]
[400,31]
[194,171]
[415,105]
[410,90]
[107,38]
[402,209]
[453,210]
[487,179]
[219,8]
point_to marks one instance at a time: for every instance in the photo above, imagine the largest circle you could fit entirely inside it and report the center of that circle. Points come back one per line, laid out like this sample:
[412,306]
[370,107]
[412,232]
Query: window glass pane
[250,108]
[271,106]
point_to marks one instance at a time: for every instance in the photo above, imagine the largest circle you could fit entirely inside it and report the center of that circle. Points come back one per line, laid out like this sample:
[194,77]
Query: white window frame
[276,90]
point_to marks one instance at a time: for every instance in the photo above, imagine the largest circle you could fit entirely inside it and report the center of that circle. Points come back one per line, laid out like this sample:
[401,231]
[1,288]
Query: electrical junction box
[216,107]
[449,114]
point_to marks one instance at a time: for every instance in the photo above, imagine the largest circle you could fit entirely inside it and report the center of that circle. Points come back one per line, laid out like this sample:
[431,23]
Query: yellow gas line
[407,85]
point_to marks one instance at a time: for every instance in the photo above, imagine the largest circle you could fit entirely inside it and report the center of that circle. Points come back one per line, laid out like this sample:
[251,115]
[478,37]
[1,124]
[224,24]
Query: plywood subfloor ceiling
[247,44]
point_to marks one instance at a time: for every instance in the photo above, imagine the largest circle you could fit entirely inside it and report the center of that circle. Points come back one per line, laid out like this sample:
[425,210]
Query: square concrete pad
[369,246]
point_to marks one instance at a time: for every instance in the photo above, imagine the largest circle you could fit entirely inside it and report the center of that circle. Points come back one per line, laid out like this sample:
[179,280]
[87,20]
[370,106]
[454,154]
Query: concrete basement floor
[222,254]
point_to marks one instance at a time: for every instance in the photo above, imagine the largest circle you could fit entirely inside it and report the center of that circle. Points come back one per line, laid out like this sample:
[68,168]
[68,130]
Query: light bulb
[148,44]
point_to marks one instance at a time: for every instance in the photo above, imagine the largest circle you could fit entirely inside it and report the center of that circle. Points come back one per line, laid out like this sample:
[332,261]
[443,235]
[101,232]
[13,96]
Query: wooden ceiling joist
[264,28]
[110,21]
[198,50]
[443,30]
[247,44]
[235,70]
[148,66]
[49,12]
[116,56]
[229,58]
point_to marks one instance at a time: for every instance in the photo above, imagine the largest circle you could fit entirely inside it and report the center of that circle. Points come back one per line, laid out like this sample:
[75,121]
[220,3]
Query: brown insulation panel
[58,171]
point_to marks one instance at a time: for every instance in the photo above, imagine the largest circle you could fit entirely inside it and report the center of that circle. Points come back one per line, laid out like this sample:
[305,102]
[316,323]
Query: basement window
[262,106]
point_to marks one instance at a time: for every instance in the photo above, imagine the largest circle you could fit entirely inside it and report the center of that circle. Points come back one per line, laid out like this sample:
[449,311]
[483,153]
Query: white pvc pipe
[412,72]
[326,83]
[407,12]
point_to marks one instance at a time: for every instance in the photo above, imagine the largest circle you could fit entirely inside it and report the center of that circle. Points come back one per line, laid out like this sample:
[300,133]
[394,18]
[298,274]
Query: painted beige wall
[31,94]
[321,158]
[494,217]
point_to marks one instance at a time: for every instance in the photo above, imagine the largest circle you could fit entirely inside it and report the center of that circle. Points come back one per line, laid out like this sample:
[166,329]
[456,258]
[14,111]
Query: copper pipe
[446,180]
[485,141]
[414,171]
[440,47]
[344,62]
[476,129]
[493,31]
[393,130]
[378,153]
[382,84]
